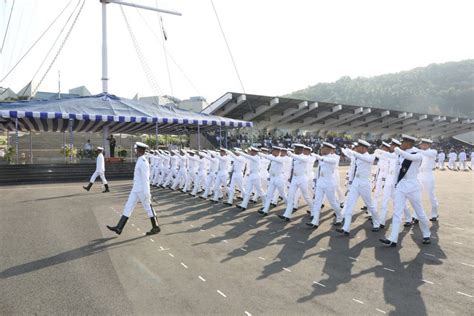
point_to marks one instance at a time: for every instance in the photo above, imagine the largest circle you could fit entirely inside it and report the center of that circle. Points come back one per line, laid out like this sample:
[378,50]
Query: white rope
[60,48]
[8,25]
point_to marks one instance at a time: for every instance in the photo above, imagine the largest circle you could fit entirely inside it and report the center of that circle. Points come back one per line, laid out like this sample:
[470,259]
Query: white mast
[105,85]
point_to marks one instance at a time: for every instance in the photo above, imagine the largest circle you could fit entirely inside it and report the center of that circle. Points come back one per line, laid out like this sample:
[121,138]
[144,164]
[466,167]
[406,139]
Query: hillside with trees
[445,89]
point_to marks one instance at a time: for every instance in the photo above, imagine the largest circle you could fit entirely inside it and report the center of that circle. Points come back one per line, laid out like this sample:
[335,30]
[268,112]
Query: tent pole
[156,136]
[199,138]
[71,140]
[64,146]
[31,147]
[16,140]
[105,84]
[220,136]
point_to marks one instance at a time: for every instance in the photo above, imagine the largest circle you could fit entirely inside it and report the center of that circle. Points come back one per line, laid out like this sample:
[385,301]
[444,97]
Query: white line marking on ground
[320,284]
[272,233]
[185,266]
[360,302]
[133,225]
[171,255]
[212,235]
[243,249]
[174,217]
[287,270]
[202,230]
[429,254]
[151,239]
[322,248]
[261,258]
[191,225]
[138,229]
[426,281]
[379,310]
[247,313]
[301,242]
[355,259]
[464,294]
[218,291]
[388,269]
[467,264]
[202,279]
[459,228]
[224,241]
[457,242]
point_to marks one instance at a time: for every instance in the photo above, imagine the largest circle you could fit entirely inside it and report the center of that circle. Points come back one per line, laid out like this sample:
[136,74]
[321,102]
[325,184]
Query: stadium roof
[93,113]
[295,114]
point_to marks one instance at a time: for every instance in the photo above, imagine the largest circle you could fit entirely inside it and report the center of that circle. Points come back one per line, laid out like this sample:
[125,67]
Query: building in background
[195,104]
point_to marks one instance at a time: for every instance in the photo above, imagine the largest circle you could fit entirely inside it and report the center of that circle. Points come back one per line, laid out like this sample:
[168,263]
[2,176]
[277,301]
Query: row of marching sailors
[403,170]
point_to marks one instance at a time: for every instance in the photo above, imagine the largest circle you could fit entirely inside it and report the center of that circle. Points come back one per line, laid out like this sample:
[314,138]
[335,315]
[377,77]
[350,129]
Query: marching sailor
[222,174]
[472,160]
[359,186]
[310,176]
[211,177]
[173,169]
[287,161]
[326,184]
[191,176]
[299,180]
[380,176]
[201,175]
[277,177]
[452,156]
[441,159]
[182,172]
[237,177]
[99,171]
[254,182]
[407,187]
[426,176]
[462,160]
[140,192]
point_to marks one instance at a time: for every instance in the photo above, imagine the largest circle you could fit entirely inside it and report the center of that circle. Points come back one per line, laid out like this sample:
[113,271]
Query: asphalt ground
[57,257]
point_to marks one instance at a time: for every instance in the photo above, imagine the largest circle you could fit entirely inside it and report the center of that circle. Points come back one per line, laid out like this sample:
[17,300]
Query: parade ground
[58,257]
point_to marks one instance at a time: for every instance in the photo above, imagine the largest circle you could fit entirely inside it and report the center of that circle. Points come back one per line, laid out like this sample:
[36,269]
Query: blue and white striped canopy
[93,113]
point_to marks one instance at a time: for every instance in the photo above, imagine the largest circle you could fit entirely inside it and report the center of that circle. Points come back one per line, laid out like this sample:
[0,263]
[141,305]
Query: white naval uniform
[141,189]
[441,158]
[181,177]
[426,178]
[299,180]
[254,182]
[359,186]
[326,186]
[221,177]
[472,160]
[99,169]
[408,188]
[277,179]
[452,156]
[172,171]
[201,175]
[462,160]
[264,173]
[191,175]
[237,180]
[389,185]
[311,181]
[165,169]
[287,162]
[380,178]
[211,176]
[337,180]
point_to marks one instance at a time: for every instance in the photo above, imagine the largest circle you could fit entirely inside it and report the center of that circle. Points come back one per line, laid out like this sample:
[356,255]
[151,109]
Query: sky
[279,46]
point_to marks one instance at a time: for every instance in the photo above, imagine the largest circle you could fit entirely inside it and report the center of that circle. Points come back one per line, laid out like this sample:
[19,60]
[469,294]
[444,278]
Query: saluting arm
[408,156]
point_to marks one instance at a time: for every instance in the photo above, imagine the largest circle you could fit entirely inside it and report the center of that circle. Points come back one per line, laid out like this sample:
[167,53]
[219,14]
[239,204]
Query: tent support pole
[199,138]
[71,140]
[220,136]
[64,146]
[31,147]
[17,154]
[156,136]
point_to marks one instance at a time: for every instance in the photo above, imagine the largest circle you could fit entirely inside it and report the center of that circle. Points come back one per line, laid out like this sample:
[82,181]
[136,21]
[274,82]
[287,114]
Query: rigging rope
[146,69]
[8,24]
[36,42]
[228,47]
[56,40]
[60,47]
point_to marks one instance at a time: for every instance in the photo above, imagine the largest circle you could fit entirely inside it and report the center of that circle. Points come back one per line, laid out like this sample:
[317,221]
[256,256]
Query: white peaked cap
[412,138]
[363,143]
[396,141]
[141,145]
[386,144]
[100,148]
[329,145]
[426,140]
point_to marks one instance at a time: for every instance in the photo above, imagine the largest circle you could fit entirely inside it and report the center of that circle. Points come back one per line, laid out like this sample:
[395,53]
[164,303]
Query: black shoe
[434,219]
[415,220]
[273,204]
[376,229]
[238,206]
[426,241]
[88,187]
[342,231]
[341,205]
[388,242]
[106,188]
[364,208]
[312,225]
[214,201]
[201,197]
[337,224]
[262,212]
[121,224]
[308,212]
[322,206]
[382,226]
[254,202]
[311,218]
[284,218]
[295,209]
[227,203]
[153,231]
[407,224]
